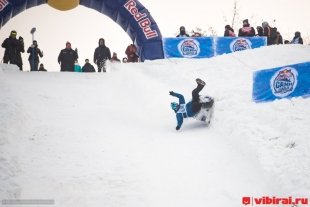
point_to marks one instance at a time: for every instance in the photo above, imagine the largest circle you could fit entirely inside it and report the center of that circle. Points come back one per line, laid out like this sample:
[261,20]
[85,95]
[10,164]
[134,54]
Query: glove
[171,93]
[177,128]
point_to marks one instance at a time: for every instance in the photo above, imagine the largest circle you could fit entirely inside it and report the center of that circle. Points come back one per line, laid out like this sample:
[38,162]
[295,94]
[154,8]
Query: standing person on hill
[297,39]
[88,68]
[77,67]
[101,55]
[229,31]
[270,33]
[34,53]
[131,52]
[41,68]
[182,32]
[115,58]
[246,30]
[13,50]
[67,57]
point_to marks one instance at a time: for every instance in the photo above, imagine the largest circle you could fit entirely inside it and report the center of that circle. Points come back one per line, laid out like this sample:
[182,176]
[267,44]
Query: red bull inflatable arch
[131,15]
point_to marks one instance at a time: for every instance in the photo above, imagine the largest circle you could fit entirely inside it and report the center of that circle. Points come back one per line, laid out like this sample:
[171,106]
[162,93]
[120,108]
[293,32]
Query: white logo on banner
[189,48]
[240,44]
[284,82]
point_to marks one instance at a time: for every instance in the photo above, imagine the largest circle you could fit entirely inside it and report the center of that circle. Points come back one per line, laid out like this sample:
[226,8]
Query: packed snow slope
[110,139]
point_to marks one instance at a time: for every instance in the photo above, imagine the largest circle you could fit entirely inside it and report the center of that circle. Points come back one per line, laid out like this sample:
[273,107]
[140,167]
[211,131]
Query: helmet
[174,105]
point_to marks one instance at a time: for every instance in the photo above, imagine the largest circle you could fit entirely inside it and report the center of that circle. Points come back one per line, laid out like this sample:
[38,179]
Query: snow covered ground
[110,139]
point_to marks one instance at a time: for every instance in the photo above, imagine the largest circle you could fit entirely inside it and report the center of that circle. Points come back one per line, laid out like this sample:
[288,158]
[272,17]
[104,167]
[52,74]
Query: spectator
[102,53]
[270,33]
[297,39]
[196,34]
[67,57]
[260,31]
[124,60]
[88,68]
[13,50]
[77,67]
[182,32]
[115,58]
[229,32]
[35,52]
[279,39]
[286,42]
[246,30]
[131,52]
[41,68]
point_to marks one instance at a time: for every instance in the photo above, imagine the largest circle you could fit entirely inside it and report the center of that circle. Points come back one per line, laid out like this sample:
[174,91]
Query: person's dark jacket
[66,58]
[297,39]
[246,31]
[13,48]
[88,68]
[102,53]
[34,52]
[260,31]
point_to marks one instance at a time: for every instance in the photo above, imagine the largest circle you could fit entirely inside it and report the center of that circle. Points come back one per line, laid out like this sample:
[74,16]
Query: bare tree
[235,13]
[212,31]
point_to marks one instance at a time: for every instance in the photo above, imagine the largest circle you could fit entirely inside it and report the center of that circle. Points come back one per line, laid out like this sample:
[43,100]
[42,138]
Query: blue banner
[198,47]
[205,47]
[282,82]
[234,44]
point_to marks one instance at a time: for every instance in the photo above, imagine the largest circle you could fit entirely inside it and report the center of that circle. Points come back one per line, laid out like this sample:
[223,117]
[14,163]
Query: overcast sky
[83,27]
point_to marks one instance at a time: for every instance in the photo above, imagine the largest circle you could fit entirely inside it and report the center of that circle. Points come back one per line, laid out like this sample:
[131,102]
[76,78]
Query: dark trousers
[196,105]
[101,66]
[34,65]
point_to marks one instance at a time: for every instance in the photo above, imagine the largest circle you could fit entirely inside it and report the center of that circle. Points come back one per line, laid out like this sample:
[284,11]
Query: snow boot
[200,82]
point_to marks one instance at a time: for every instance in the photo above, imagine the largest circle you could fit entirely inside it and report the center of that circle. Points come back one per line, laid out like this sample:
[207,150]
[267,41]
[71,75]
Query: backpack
[273,33]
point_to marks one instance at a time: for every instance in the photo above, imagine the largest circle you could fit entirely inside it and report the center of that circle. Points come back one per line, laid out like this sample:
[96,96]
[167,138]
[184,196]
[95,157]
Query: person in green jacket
[77,67]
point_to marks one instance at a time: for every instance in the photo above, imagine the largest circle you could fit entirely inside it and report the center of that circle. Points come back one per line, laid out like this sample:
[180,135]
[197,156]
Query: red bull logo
[284,82]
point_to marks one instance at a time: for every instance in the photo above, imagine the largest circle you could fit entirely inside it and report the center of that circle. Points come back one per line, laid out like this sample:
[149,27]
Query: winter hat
[182,28]
[13,33]
[68,43]
[246,21]
[265,24]
[297,34]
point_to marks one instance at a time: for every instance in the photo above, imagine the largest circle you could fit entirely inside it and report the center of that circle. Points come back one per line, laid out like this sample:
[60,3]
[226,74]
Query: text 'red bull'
[142,19]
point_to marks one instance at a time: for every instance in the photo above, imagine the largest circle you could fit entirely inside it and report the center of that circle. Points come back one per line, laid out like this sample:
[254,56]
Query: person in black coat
[246,30]
[67,57]
[88,68]
[182,32]
[297,39]
[229,31]
[35,52]
[13,50]
[102,53]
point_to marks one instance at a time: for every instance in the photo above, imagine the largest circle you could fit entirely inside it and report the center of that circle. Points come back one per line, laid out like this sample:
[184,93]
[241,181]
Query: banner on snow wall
[201,47]
[282,82]
[205,47]
[234,44]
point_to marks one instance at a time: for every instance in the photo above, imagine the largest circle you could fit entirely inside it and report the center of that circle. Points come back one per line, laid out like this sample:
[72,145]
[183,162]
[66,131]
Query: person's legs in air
[196,105]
